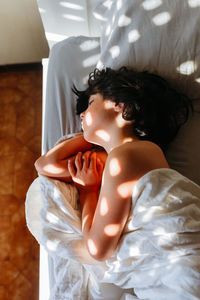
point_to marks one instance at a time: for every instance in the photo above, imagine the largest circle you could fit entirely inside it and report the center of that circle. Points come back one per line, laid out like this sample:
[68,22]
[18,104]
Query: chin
[89,138]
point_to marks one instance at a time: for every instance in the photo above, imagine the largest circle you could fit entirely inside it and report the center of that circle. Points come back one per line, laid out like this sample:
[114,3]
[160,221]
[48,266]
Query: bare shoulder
[135,159]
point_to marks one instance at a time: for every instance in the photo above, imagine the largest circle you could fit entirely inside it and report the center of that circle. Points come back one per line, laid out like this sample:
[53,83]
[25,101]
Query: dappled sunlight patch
[84,221]
[108,30]
[56,193]
[119,4]
[124,21]
[134,251]
[149,215]
[114,167]
[88,118]
[161,19]
[141,208]
[194,3]
[91,61]
[108,104]
[92,247]
[108,4]
[126,189]
[133,36]
[151,4]
[120,121]
[52,245]
[99,17]
[73,17]
[158,230]
[187,67]
[103,206]
[71,5]
[127,140]
[78,180]
[52,218]
[103,135]
[52,169]
[89,45]
[112,229]
[114,51]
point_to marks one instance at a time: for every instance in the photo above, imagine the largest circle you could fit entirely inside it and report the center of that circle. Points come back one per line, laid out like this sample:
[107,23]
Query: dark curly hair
[156,108]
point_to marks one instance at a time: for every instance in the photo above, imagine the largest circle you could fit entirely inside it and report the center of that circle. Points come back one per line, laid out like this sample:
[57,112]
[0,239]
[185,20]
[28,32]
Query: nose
[82,115]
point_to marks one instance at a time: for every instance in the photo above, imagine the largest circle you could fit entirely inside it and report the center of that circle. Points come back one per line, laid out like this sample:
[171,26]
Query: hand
[87,171]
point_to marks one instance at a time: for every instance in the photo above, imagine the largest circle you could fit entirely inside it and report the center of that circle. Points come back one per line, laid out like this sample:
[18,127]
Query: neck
[116,137]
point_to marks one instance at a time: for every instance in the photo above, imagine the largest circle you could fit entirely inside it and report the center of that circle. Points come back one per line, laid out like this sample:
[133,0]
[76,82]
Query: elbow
[98,253]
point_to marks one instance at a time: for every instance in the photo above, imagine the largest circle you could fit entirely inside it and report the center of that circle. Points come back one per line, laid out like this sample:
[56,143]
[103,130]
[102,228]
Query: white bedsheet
[159,251]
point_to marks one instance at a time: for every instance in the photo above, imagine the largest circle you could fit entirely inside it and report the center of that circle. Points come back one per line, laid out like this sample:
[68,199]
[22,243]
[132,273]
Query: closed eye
[90,102]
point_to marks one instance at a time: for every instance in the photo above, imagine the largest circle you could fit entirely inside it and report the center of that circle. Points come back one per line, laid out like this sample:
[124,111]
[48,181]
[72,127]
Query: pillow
[161,37]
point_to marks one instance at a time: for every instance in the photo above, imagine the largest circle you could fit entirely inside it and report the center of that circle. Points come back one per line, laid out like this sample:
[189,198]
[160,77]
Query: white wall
[22,38]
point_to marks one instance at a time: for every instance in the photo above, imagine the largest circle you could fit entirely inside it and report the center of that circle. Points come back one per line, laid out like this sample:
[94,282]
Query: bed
[153,35]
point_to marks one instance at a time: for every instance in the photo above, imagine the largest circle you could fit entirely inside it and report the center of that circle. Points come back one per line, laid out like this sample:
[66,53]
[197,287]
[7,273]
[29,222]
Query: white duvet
[158,256]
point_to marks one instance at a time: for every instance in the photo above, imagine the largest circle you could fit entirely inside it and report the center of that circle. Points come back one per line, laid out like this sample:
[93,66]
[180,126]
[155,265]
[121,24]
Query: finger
[93,161]
[71,168]
[78,161]
[100,166]
[86,158]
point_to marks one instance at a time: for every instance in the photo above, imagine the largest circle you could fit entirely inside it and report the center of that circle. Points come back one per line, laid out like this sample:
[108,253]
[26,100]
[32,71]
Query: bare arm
[54,162]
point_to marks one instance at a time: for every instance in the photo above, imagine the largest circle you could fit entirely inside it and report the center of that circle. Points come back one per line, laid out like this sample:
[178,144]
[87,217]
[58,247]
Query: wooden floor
[20,145]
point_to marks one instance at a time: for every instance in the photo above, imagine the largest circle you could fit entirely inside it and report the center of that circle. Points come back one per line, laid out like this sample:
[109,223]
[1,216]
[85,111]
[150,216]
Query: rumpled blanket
[158,255]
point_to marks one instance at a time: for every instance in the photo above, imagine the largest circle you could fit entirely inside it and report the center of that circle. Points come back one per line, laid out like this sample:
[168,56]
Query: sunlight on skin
[103,135]
[133,36]
[73,17]
[111,229]
[187,68]
[71,5]
[79,181]
[92,247]
[114,167]
[120,121]
[151,4]
[194,3]
[108,104]
[114,51]
[126,140]
[125,189]
[52,218]
[104,207]
[88,118]
[52,169]
[161,18]
[91,61]
[84,221]
[124,21]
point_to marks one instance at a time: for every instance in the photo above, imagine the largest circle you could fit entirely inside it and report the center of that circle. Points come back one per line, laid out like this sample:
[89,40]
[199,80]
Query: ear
[118,107]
